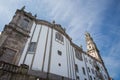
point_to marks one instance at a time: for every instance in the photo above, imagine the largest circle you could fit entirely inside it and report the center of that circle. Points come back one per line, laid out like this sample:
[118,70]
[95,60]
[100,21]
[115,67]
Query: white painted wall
[28,59]
[38,60]
[90,65]
[56,59]
[71,62]
[80,65]
[47,51]
[102,70]
[67,59]
[36,33]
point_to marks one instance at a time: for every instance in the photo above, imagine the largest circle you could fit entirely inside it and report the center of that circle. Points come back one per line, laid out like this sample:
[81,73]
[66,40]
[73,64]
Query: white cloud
[112,60]
[113,65]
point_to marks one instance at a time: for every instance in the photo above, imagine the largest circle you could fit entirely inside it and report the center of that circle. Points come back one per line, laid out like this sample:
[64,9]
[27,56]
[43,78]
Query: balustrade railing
[13,68]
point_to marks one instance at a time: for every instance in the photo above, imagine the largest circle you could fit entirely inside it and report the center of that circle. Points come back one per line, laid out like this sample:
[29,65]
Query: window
[76,68]
[9,55]
[24,23]
[18,36]
[32,47]
[59,37]
[105,76]
[85,79]
[90,47]
[59,52]
[59,64]
[90,61]
[83,69]
[88,69]
[77,78]
[97,68]
[92,71]
[78,54]
[90,77]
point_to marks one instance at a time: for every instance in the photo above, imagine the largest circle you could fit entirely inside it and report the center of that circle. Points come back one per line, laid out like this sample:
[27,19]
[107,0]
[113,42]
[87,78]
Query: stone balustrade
[23,69]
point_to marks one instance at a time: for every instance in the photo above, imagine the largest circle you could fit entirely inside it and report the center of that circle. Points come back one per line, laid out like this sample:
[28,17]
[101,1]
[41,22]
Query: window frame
[78,55]
[76,68]
[92,71]
[59,37]
[32,47]
[88,69]
[24,23]
[59,52]
[83,70]
[90,77]
[77,78]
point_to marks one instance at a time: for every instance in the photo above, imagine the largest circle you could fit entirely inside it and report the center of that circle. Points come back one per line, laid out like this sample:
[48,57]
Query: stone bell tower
[14,36]
[92,48]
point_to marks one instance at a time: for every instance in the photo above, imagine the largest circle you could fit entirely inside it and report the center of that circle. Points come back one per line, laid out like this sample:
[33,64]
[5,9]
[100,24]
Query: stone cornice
[25,33]
[26,14]
[57,27]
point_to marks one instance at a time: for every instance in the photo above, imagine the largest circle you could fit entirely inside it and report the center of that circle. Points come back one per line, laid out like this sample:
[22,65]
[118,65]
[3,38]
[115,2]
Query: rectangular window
[85,79]
[32,47]
[90,61]
[83,69]
[24,23]
[90,77]
[78,54]
[105,76]
[59,52]
[88,69]
[59,37]
[77,78]
[92,71]
[76,68]
[9,55]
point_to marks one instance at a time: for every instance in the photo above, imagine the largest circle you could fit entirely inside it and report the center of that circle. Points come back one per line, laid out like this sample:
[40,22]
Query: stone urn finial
[23,8]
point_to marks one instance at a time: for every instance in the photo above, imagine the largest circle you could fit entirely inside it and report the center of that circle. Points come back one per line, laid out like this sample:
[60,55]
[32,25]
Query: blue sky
[101,18]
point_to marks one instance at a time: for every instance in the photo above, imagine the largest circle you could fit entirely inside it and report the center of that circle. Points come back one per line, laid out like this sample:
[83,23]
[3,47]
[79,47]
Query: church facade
[34,49]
